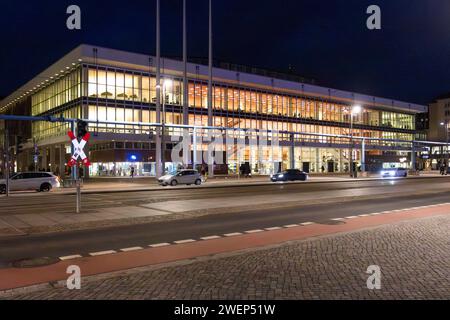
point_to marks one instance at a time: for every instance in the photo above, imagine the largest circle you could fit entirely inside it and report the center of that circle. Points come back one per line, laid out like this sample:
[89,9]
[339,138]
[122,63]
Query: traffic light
[81,129]
[19,141]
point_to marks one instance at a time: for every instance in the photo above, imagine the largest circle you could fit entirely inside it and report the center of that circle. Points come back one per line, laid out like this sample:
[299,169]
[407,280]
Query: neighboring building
[438,130]
[102,84]
[439,115]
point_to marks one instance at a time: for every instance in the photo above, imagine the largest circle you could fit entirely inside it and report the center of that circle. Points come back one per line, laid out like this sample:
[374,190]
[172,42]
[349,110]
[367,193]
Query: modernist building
[105,85]
[438,129]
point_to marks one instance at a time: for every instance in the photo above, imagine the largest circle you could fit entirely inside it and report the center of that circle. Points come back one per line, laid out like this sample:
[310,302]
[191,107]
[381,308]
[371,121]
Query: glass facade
[104,94]
[57,93]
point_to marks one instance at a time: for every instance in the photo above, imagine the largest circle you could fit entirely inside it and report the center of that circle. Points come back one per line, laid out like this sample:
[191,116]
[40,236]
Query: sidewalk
[307,262]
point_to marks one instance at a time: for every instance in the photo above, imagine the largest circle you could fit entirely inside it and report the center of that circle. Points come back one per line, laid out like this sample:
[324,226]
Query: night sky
[409,59]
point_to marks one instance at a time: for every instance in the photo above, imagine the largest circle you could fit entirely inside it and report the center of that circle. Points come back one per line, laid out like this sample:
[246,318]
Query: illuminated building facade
[105,85]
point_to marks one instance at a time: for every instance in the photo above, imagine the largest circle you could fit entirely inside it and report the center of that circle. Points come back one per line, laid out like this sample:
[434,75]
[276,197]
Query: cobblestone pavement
[414,257]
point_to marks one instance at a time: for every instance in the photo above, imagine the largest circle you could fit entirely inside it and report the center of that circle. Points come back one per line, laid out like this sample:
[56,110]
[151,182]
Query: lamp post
[167,83]
[446,127]
[354,110]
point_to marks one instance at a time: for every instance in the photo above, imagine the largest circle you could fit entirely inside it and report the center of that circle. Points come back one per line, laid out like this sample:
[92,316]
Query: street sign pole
[78,152]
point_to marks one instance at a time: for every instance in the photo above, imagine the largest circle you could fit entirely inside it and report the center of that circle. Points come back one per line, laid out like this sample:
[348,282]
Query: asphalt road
[86,241]
[53,202]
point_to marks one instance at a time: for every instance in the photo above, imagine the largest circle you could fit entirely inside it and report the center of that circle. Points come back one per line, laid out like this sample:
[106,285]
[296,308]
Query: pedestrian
[132,172]
[323,169]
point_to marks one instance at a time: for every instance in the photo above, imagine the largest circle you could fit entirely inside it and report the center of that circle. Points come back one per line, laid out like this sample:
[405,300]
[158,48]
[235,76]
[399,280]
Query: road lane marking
[363,215]
[184,241]
[210,237]
[254,231]
[351,217]
[232,234]
[272,228]
[131,249]
[100,253]
[338,219]
[290,225]
[157,245]
[306,223]
[75,256]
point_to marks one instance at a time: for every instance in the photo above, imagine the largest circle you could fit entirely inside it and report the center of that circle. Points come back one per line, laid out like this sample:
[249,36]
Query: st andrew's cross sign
[78,151]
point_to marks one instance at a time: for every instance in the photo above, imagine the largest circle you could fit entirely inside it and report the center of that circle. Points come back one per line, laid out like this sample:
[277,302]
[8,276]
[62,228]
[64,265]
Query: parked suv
[39,181]
[181,177]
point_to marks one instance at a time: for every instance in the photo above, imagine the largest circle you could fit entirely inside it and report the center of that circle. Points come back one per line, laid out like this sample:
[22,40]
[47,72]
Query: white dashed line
[210,237]
[131,249]
[351,217]
[375,214]
[290,225]
[254,231]
[184,241]
[100,253]
[75,256]
[363,215]
[232,234]
[338,219]
[272,228]
[157,245]
[306,223]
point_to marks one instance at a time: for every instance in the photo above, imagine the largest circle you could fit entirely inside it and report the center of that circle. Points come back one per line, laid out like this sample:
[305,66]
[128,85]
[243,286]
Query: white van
[39,181]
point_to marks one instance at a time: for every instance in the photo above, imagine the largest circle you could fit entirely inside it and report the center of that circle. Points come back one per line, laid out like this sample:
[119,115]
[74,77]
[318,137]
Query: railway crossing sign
[78,149]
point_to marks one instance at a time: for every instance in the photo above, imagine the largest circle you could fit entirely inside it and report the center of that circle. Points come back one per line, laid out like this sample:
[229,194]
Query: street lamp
[446,127]
[167,83]
[356,109]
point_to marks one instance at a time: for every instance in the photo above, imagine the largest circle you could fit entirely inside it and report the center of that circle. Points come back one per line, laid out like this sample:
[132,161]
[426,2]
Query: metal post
[6,160]
[78,184]
[194,147]
[163,131]
[185,81]
[210,89]
[351,145]
[446,141]
[363,156]
[185,85]
[158,92]
[413,157]
[72,151]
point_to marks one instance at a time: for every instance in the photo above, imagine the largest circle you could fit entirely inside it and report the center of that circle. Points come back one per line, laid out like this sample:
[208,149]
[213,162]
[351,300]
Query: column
[318,165]
[363,155]
[52,159]
[44,163]
[62,160]
[413,157]
[292,153]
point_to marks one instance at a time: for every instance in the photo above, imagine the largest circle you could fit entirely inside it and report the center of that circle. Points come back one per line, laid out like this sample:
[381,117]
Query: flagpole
[159,156]
[210,93]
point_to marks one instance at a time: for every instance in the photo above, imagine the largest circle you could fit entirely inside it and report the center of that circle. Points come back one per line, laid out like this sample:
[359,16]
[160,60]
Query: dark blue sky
[409,59]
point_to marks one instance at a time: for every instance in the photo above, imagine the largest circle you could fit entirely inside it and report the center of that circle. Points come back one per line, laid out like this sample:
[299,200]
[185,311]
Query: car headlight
[280,175]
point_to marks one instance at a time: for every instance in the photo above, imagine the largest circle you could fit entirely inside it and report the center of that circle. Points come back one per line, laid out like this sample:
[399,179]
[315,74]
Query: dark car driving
[289,175]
